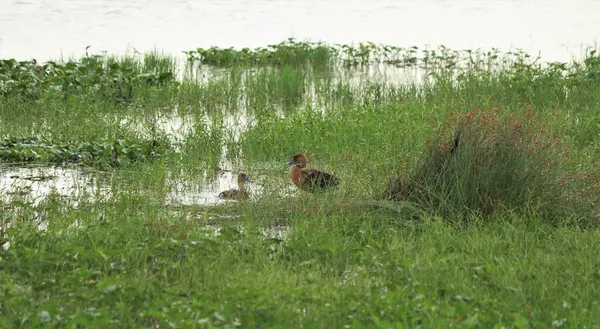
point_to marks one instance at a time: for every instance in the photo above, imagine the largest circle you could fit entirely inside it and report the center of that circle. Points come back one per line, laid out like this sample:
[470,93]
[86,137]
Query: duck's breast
[298,176]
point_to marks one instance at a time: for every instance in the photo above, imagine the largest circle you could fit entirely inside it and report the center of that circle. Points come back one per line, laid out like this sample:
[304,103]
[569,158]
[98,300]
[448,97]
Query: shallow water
[206,191]
[175,126]
[48,29]
[272,232]
[34,184]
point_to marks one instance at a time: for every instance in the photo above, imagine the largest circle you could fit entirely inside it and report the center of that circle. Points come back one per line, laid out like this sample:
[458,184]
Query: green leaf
[520,321]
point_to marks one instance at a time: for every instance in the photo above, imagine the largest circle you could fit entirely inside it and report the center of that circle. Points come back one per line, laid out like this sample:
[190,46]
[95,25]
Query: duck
[240,193]
[311,180]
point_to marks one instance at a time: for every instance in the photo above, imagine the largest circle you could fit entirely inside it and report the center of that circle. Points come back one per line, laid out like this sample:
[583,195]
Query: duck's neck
[242,186]
[297,175]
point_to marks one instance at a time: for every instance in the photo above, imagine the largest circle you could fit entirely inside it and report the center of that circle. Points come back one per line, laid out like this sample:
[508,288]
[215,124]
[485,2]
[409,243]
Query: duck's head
[242,178]
[299,160]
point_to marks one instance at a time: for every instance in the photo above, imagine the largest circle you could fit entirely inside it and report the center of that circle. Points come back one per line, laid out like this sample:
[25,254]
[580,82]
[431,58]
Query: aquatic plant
[286,53]
[112,153]
[286,87]
[321,56]
[114,79]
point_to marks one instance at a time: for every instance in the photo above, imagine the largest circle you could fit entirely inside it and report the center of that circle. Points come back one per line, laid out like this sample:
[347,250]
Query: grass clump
[289,52]
[488,160]
[285,86]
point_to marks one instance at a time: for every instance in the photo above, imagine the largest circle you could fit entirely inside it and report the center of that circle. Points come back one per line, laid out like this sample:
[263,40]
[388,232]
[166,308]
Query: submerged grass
[477,251]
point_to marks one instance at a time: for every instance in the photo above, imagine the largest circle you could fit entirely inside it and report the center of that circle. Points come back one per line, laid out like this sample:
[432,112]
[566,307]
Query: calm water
[47,29]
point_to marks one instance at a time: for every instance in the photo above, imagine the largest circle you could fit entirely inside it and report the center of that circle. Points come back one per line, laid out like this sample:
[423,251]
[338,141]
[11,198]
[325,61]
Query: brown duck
[240,193]
[309,179]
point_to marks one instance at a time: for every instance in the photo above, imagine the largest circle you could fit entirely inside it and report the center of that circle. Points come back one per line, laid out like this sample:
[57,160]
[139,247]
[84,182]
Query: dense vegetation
[468,197]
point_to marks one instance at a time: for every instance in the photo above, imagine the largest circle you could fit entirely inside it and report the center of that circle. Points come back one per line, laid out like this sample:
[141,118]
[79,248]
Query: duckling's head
[299,160]
[242,178]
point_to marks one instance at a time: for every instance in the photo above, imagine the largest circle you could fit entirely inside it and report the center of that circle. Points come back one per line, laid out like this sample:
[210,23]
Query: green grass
[344,258]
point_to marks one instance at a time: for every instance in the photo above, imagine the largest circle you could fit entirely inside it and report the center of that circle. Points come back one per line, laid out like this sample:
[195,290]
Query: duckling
[240,194]
[309,179]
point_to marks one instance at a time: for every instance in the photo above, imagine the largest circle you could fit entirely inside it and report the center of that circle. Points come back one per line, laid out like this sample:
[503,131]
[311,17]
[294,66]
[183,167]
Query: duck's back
[316,179]
[233,194]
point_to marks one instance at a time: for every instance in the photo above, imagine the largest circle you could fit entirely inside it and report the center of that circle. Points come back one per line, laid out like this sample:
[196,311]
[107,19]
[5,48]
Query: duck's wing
[321,179]
[228,194]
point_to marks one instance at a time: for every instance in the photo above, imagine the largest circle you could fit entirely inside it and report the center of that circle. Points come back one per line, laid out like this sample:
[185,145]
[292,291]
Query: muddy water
[48,29]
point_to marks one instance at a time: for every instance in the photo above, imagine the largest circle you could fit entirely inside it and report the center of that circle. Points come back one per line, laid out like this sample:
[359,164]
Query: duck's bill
[291,162]
[248,180]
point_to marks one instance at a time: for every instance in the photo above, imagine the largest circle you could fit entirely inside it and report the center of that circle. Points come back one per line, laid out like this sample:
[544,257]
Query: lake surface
[49,29]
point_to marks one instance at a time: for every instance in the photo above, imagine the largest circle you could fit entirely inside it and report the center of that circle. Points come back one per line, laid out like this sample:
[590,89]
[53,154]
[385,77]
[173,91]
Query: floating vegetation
[287,53]
[320,55]
[111,153]
[110,77]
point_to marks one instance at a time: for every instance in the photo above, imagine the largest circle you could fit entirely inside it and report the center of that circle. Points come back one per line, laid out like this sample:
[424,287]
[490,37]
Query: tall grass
[285,86]
[299,54]
[484,161]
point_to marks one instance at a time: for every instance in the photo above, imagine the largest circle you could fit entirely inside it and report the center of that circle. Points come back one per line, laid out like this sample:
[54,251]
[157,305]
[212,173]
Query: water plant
[289,53]
[113,153]
[110,77]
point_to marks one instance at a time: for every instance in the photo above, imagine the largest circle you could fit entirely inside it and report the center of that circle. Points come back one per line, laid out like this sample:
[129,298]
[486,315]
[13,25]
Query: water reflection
[38,182]
[206,191]
[34,184]
[273,232]
[173,125]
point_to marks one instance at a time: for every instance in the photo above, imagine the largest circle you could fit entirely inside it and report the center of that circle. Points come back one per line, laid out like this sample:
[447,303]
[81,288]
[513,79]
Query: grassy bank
[414,237]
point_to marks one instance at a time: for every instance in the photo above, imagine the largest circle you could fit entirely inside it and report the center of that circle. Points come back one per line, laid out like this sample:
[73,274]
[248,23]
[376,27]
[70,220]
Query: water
[206,191]
[34,183]
[49,29]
